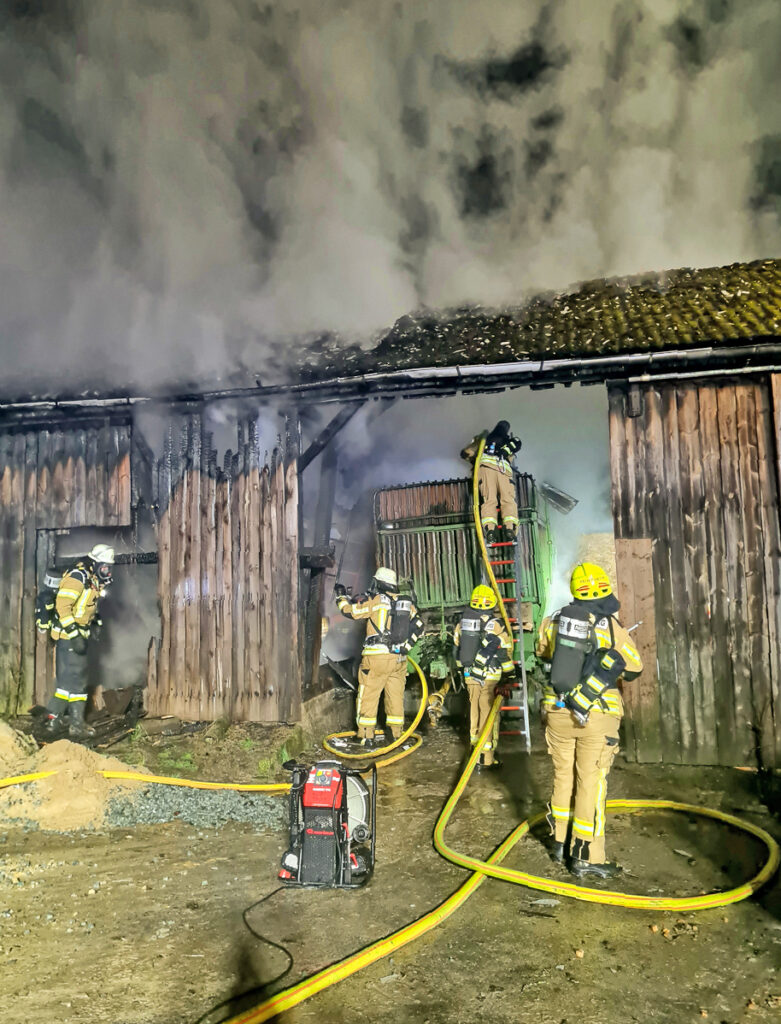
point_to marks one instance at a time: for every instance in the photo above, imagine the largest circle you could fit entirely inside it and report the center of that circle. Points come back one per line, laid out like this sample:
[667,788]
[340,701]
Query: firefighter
[75,612]
[496,480]
[588,652]
[484,651]
[393,626]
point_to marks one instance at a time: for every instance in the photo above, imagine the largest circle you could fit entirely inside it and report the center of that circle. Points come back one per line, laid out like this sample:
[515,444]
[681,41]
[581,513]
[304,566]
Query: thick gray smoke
[182,180]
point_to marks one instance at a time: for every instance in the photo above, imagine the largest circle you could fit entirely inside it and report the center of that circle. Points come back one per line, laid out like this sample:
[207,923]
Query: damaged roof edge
[764,356]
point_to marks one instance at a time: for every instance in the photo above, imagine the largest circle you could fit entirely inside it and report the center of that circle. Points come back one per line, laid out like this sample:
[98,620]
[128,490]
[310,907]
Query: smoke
[182,182]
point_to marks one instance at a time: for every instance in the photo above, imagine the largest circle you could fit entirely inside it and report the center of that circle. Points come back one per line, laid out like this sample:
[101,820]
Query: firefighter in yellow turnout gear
[76,608]
[496,480]
[393,626]
[484,652]
[588,651]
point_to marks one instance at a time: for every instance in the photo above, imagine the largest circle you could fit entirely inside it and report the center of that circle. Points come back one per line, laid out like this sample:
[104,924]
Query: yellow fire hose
[290,997]
[295,994]
[396,743]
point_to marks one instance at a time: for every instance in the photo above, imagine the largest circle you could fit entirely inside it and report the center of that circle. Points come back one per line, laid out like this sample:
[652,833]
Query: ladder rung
[508,599]
[510,579]
[503,561]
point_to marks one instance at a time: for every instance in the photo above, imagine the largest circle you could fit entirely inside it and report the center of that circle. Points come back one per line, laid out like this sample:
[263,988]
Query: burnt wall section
[696,515]
[228,580]
[55,477]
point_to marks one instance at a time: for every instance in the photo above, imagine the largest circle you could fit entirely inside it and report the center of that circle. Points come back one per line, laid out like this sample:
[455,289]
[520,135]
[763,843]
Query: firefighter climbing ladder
[505,572]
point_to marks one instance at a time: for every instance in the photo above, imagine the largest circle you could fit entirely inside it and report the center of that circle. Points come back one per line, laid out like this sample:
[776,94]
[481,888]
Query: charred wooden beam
[327,434]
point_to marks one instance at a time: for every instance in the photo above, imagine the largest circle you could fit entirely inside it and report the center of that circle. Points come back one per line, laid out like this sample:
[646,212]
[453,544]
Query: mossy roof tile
[676,309]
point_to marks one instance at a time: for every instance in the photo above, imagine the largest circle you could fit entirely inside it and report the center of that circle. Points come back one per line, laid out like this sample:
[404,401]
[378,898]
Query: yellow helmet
[589,581]
[482,597]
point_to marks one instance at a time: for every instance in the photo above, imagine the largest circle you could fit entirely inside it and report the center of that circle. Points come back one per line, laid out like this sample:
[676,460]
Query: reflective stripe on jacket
[608,632]
[377,611]
[76,604]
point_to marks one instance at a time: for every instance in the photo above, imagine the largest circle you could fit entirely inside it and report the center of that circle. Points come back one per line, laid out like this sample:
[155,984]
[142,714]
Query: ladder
[504,559]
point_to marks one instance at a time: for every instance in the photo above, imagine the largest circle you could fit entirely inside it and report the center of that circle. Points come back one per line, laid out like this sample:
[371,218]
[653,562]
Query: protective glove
[503,689]
[339,590]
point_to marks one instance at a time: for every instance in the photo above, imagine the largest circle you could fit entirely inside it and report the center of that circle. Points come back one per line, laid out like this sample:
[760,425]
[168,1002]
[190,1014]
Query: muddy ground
[144,926]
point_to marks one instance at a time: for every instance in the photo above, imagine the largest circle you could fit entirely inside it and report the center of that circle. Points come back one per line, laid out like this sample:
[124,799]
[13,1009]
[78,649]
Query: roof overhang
[761,357]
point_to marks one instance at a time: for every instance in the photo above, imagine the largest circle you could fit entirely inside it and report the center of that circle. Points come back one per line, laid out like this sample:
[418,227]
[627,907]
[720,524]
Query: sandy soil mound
[76,797]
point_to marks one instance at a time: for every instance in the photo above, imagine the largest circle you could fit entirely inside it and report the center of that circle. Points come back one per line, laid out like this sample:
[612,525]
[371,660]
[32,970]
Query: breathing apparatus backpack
[574,641]
[401,622]
[46,600]
[471,639]
[580,671]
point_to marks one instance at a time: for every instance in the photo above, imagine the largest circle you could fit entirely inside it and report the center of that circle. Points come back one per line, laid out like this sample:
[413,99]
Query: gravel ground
[201,808]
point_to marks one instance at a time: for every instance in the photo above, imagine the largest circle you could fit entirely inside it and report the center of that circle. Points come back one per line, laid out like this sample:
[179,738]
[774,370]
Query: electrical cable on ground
[307,987]
[258,989]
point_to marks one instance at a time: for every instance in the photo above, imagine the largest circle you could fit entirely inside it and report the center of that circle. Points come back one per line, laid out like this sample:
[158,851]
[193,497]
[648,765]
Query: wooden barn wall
[696,515]
[227,583]
[50,479]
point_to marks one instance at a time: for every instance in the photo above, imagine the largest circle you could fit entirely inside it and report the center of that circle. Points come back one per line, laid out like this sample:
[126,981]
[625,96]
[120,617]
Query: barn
[691,364]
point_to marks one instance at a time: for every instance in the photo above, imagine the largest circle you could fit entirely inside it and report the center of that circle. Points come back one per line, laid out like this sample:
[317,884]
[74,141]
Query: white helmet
[386,576]
[102,553]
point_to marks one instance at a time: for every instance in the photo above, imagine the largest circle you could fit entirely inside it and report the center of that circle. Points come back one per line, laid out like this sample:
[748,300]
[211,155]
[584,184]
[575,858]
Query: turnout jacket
[607,633]
[76,603]
[499,460]
[378,612]
[494,654]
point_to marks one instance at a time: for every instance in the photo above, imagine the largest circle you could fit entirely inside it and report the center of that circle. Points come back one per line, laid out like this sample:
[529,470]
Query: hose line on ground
[362,756]
[307,987]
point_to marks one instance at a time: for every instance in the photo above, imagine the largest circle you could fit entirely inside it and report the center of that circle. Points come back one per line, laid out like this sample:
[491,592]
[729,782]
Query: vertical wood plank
[634,572]
[717,607]
[697,583]
[771,532]
[737,640]
[30,581]
[760,723]
[290,704]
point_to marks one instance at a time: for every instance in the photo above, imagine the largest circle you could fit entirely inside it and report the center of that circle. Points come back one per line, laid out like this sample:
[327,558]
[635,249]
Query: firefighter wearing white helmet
[392,628]
[483,651]
[75,612]
[589,651]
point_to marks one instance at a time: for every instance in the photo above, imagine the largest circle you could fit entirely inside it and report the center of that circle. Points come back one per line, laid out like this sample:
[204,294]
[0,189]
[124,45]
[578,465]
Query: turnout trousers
[71,679]
[496,489]
[480,700]
[378,674]
[582,758]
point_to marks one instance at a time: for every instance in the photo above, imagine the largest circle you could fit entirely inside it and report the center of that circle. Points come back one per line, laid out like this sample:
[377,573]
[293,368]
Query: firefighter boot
[511,532]
[78,728]
[556,852]
[581,865]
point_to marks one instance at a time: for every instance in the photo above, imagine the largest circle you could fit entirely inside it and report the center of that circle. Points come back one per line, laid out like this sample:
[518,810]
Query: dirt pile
[75,797]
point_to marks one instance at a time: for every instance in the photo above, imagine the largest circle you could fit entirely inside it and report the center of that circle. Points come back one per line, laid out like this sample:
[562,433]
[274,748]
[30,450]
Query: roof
[675,310]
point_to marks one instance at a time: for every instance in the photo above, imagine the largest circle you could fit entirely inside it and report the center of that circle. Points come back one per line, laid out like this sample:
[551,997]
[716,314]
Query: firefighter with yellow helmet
[483,651]
[588,651]
[393,626]
[496,480]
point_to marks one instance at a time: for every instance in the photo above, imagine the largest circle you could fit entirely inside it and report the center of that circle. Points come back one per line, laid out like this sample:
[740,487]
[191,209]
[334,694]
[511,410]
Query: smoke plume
[183,181]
